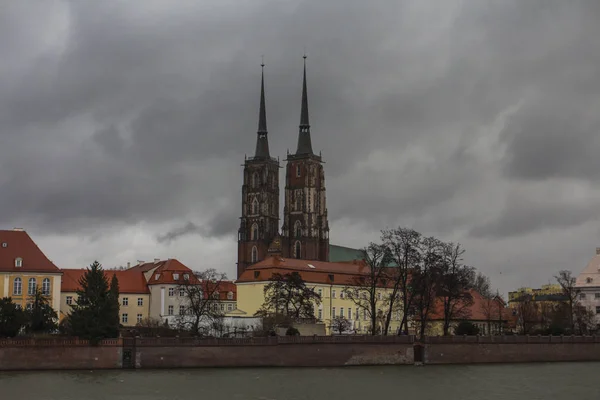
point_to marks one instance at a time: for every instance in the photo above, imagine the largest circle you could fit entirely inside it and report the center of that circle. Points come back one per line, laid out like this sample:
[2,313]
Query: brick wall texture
[318,351]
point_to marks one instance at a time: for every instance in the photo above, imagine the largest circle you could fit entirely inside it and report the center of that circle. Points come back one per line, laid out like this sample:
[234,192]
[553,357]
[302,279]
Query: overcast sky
[123,124]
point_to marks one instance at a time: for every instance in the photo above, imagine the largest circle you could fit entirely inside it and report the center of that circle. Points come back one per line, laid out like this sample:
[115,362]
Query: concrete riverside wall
[47,354]
[509,349]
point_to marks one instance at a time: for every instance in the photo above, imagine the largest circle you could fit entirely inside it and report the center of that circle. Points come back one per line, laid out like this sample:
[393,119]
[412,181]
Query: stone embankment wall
[290,351]
[508,349]
[59,353]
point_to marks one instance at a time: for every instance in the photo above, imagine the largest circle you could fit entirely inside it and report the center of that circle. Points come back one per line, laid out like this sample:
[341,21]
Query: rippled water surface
[579,381]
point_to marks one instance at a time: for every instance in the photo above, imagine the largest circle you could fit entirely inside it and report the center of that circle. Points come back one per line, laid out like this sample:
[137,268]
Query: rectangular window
[333,312]
[341,294]
[125,301]
[341,312]
[349,313]
[597,310]
[333,294]
[582,296]
[181,292]
[140,301]
[222,307]
[170,310]
[320,315]
[69,300]
[171,292]
[229,307]
[181,310]
[124,318]
[597,295]
[139,318]
[356,313]
[320,291]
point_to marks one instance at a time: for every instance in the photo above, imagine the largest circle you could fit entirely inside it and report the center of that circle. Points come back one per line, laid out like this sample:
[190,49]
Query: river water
[562,381]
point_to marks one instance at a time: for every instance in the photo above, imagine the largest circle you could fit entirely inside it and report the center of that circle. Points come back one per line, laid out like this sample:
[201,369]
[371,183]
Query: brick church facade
[305,227]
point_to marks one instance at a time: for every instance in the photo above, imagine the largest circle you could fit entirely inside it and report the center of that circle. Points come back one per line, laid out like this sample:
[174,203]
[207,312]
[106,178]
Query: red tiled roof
[224,288]
[476,312]
[18,244]
[129,281]
[164,271]
[344,273]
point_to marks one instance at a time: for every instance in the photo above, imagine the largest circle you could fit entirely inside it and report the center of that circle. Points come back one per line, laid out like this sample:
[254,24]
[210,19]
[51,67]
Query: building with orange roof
[328,279]
[134,295]
[24,268]
[150,290]
[490,315]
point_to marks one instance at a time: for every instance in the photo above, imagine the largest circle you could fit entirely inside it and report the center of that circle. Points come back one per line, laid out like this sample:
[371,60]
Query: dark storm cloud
[118,113]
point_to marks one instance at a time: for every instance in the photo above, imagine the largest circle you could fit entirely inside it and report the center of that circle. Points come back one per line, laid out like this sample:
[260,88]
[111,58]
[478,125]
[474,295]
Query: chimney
[128,265]
[597,250]
[156,260]
[18,229]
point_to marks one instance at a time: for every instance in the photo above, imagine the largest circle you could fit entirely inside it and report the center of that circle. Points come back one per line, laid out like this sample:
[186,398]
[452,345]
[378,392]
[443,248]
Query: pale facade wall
[7,280]
[132,309]
[589,297]
[161,297]
[333,303]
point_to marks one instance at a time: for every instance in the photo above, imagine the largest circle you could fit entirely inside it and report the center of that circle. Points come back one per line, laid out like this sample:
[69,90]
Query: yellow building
[550,294]
[134,296]
[24,268]
[333,281]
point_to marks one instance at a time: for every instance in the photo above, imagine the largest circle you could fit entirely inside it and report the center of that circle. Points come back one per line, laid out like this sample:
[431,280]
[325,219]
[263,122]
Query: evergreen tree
[12,318]
[94,316]
[41,317]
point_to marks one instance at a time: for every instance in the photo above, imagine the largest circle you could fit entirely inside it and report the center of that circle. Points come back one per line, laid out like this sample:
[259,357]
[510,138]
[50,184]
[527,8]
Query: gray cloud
[461,119]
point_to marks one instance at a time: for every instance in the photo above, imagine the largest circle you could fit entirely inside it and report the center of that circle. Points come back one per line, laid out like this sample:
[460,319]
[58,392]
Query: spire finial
[304,142]
[262,143]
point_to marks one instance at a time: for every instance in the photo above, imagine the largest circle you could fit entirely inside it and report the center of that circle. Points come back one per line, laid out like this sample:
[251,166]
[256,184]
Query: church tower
[305,230]
[260,197]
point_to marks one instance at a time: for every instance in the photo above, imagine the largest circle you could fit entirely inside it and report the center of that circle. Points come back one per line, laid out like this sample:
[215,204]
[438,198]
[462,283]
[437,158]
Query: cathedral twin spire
[304,141]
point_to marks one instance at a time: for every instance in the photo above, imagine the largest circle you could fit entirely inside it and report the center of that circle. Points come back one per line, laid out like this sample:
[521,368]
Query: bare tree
[200,300]
[365,291]
[425,281]
[527,314]
[404,248]
[340,325]
[489,309]
[567,282]
[585,320]
[287,295]
[481,284]
[454,281]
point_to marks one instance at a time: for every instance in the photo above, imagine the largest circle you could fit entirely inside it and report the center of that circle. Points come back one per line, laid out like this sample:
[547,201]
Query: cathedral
[305,230]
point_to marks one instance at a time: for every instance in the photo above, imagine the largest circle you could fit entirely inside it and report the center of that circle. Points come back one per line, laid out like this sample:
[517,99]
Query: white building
[588,282]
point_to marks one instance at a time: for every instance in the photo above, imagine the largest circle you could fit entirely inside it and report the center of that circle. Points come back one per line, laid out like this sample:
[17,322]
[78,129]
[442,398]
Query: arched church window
[255,206]
[298,229]
[298,202]
[255,179]
[298,170]
[297,249]
[254,254]
[254,232]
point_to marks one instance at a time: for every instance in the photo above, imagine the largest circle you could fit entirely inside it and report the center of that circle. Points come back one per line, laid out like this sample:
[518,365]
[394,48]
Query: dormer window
[186,276]
[230,296]
[588,280]
[175,276]
[156,277]
[4,244]
[18,262]
[256,274]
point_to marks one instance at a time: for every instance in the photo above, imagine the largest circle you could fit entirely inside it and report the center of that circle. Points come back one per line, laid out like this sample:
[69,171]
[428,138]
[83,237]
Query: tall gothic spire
[304,142]
[262,142]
